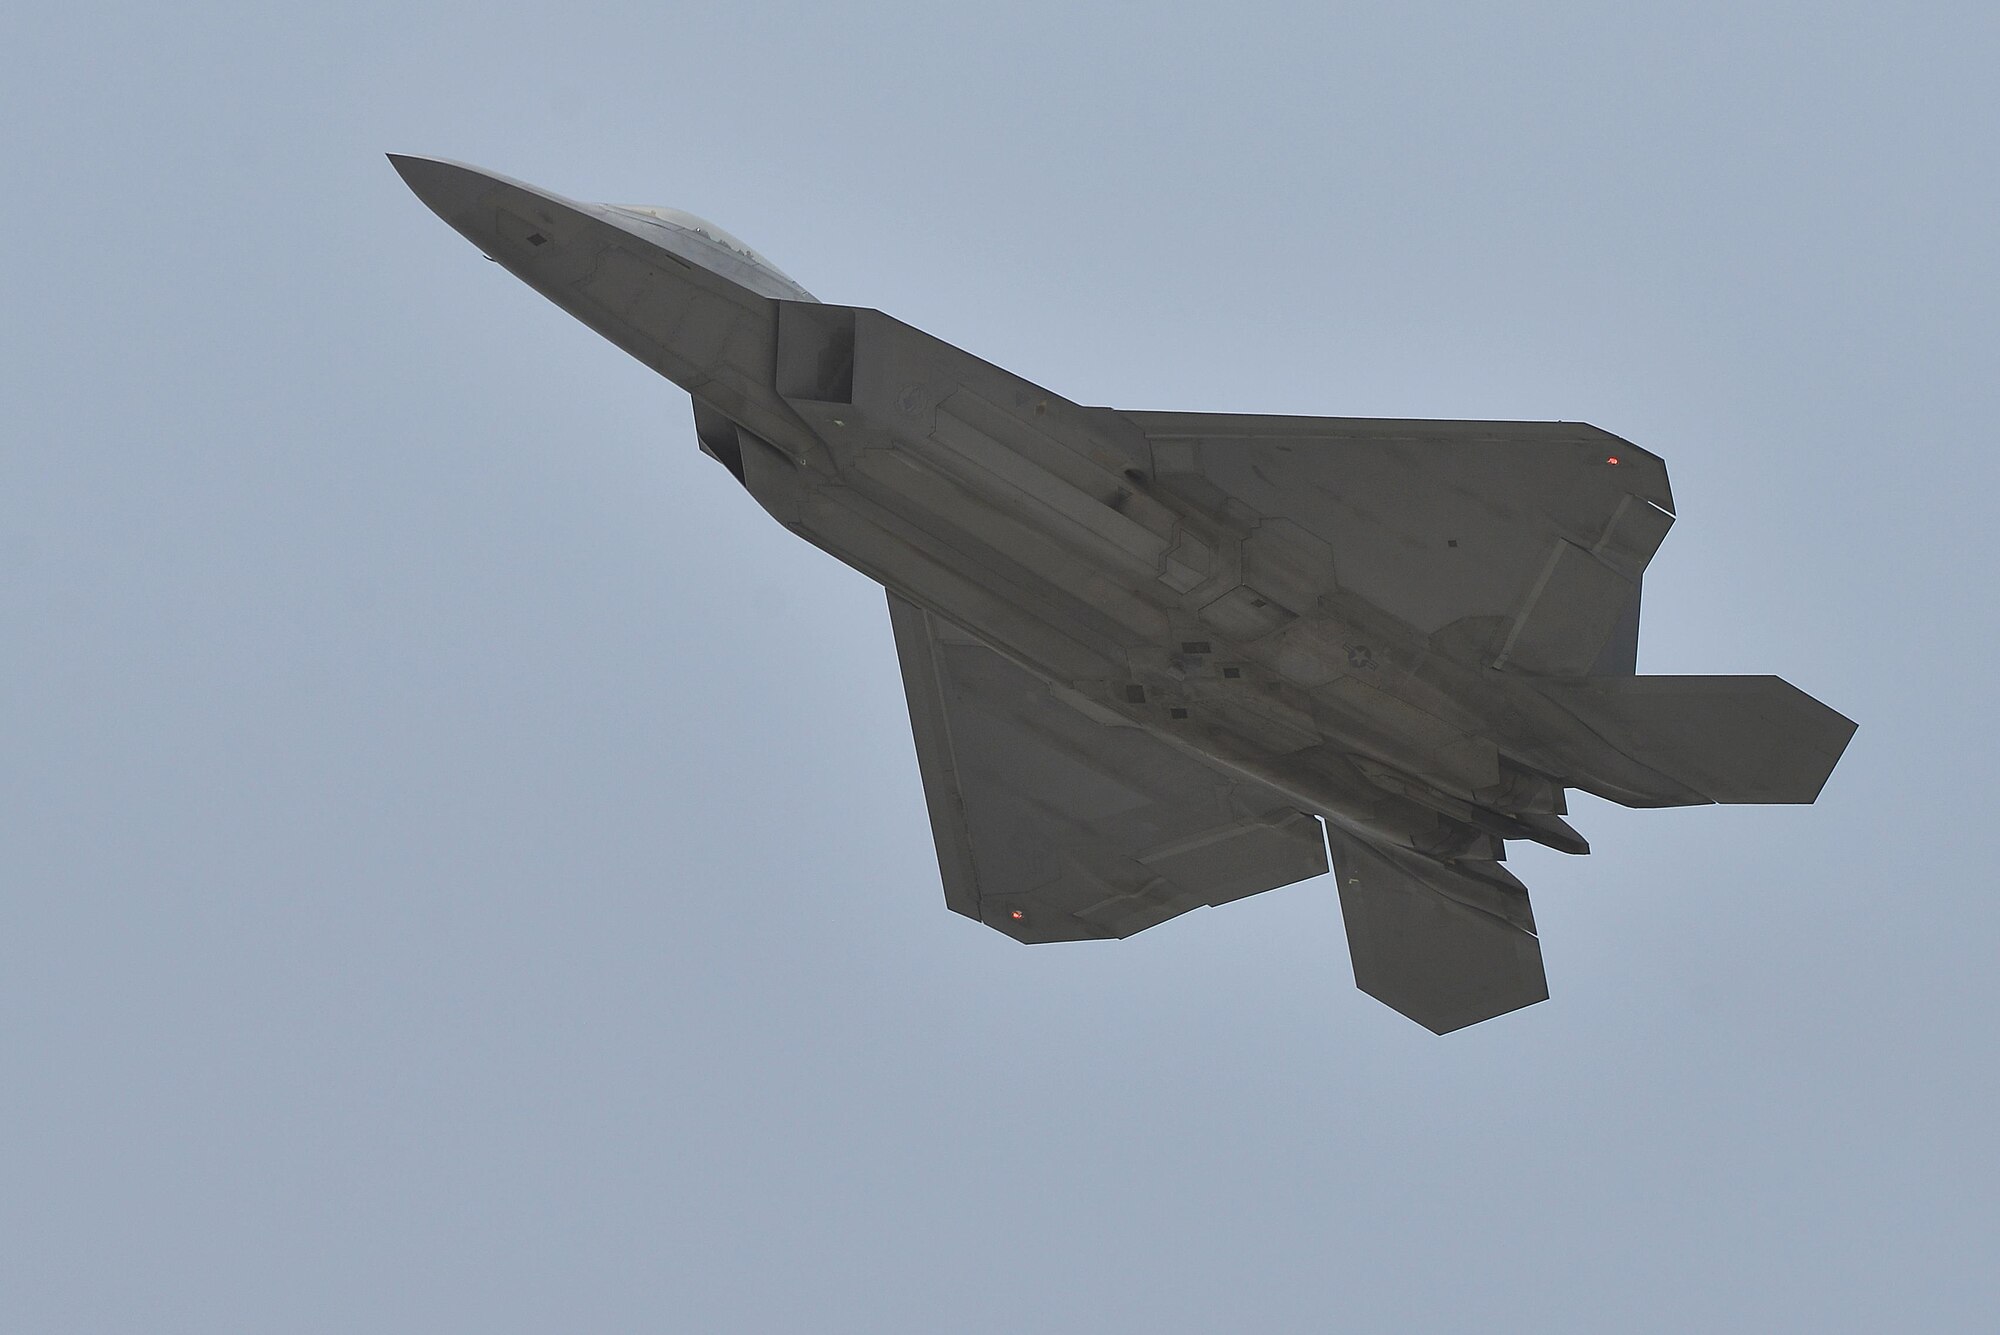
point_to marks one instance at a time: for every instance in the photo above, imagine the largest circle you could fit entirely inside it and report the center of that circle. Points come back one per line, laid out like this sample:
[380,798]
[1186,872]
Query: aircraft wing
[1052,825]
[1527,540]
[1447,944]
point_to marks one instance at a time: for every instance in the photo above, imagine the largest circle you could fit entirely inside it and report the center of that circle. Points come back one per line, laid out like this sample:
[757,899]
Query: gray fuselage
[1036,524]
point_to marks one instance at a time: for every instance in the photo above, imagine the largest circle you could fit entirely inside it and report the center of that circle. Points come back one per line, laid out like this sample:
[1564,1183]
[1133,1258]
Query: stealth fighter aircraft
[1161,660]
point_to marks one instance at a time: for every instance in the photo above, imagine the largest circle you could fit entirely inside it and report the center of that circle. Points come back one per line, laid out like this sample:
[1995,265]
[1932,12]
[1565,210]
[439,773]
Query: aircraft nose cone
[449,189]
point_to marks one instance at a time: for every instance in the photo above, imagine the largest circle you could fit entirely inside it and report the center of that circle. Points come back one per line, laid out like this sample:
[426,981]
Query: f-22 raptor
[1161,660]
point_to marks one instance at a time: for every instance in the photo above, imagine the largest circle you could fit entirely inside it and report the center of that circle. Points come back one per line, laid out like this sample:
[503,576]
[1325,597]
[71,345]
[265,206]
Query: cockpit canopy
[702,234]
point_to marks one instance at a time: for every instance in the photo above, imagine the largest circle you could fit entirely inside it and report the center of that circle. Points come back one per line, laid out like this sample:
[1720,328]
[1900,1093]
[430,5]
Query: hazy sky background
[463,865]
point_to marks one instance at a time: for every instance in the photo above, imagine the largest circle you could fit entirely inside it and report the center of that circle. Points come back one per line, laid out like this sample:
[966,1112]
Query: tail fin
[1721,739]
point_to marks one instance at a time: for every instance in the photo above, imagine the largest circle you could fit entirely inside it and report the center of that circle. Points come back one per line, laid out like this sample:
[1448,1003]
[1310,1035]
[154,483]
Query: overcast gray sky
[463,865]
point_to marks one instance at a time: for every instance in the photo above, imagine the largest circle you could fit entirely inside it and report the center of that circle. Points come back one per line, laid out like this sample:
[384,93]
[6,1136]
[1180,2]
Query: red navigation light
[1612,459]
[1017,915]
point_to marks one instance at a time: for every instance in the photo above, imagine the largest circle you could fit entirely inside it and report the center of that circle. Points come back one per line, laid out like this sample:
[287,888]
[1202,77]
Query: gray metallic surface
[1052,826]
[1142,650]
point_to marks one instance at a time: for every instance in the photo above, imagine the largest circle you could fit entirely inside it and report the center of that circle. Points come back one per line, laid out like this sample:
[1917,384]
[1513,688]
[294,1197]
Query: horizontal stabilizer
[1723,739]
[1447,944]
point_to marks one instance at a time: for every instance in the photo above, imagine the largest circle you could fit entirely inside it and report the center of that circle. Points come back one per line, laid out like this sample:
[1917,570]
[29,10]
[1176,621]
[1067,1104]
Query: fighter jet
[1162,660]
